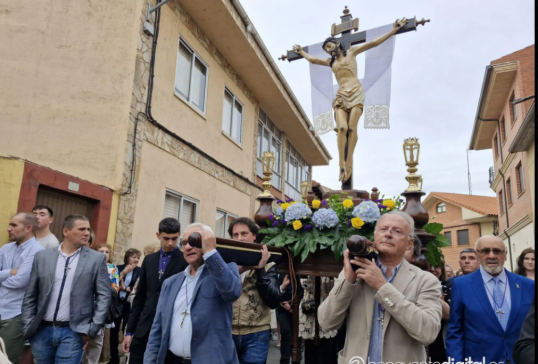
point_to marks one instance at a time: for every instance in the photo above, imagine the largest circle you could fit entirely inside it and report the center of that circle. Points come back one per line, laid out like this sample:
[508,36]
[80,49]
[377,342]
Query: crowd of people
[68,303]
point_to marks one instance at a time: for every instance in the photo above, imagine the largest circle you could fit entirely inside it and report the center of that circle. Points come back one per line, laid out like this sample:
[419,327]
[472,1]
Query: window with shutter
[463,237]
[223,220]
[448,235]
[180,207]
[191,76]
[270,140]
[520,179]
[297,171]
[232,117]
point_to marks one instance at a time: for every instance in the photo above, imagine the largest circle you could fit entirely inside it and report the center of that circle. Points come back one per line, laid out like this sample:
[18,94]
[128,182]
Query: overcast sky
[437,74]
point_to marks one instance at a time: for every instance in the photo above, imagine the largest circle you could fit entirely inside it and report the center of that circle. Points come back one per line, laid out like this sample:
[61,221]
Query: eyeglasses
[396,232]
[495,251]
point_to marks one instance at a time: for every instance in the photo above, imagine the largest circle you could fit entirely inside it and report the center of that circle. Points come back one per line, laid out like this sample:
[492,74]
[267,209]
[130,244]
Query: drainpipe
[252,30]
[509,250]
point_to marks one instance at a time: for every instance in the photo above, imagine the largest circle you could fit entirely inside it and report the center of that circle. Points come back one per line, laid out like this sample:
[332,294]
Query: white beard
[492,271]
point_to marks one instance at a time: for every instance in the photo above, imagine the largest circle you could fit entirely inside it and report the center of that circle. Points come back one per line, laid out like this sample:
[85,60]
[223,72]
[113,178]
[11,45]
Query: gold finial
[268,163]
[411,148]
[346,11]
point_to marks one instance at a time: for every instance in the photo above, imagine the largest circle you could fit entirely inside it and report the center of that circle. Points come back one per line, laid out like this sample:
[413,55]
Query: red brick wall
[452,221]
[523,86]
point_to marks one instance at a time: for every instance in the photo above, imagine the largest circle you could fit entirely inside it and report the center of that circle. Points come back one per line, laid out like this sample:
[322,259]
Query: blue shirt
[505,288]
[164,259]
[375,349]
[12,288]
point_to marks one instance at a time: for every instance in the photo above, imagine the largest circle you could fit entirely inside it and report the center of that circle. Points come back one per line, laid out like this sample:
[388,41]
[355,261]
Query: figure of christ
[349,102]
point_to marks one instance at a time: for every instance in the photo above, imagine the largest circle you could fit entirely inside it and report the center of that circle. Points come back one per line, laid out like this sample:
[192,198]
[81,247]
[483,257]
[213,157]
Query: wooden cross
[500,313]
[160,273]
[350,39]
[184,313]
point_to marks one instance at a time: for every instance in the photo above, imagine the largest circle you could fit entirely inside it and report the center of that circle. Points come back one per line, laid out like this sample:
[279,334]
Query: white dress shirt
[64,311]
[180,337]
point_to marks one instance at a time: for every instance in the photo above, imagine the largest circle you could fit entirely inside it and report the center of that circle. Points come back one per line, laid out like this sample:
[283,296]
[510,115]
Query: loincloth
[348,99]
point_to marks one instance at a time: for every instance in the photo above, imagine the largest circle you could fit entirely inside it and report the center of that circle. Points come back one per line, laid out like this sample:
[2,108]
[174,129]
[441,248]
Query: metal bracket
[151,9]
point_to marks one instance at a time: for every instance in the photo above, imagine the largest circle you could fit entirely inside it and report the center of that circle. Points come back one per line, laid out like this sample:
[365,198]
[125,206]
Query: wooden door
[63,204]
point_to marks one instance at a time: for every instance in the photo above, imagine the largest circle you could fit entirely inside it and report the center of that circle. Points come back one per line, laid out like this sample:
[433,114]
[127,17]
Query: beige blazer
[412,316]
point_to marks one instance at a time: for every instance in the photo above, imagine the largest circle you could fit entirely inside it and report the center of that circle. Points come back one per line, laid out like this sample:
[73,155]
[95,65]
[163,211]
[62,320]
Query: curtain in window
[199,73]
[183,70]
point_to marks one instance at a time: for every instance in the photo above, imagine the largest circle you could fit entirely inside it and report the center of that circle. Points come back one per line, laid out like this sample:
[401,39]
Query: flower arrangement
[294,225]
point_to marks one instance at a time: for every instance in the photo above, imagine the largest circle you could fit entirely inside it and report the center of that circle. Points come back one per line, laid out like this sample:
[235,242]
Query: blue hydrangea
[325,218]
[368,211]
[297,211]
[279,212]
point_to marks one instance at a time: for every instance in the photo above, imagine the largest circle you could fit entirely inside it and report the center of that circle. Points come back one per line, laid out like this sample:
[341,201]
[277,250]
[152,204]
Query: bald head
[489,239]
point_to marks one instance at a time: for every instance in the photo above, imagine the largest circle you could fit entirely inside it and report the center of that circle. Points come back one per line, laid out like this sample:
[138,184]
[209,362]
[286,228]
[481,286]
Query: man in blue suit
[193,323]
[488,308]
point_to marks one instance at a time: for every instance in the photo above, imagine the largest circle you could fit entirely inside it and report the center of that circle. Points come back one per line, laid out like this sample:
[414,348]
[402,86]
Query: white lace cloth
[307,323]
[376,83]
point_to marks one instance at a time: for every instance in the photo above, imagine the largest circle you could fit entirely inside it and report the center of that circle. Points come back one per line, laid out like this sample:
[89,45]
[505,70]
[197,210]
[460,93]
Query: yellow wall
[160,171]
[179,117]
[67,82]
[11,171]
[113,219]
[486,228]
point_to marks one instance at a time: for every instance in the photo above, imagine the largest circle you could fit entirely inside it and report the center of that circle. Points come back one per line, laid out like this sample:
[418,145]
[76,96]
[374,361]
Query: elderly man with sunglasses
[193,323]
[392,308]
[488,308]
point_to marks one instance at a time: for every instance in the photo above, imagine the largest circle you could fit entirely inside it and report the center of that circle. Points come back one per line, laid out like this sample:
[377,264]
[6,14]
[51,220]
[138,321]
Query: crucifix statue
[348,104]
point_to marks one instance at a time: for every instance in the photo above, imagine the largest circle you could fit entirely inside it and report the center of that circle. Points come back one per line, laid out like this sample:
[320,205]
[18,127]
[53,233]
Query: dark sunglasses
[495,251]
[194,240]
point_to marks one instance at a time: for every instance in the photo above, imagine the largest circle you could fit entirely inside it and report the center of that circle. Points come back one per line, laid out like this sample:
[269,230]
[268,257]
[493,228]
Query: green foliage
[435,254]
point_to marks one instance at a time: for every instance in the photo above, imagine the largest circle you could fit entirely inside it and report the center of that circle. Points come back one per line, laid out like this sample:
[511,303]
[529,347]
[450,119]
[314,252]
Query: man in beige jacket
[392,308]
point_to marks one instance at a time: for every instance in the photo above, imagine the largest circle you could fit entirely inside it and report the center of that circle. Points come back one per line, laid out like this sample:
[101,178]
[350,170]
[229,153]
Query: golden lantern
[305,187]
[411,149]
[268,163]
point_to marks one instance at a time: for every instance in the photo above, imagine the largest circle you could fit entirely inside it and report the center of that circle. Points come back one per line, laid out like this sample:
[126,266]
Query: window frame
[458,236]
[520,179]
[508,188]
[226,214]
[449,236]
[182,198]
[443,207]
[234,100]
[302,171]
[265,127]
[195,56]
[513,108]
[503,130]
[501,204]
[496,146]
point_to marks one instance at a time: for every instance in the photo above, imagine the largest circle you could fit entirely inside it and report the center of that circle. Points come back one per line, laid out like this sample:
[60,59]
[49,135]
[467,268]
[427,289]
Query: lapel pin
[517,285]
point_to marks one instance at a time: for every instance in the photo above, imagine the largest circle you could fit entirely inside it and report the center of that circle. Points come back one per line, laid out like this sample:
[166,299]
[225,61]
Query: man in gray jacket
[67,298]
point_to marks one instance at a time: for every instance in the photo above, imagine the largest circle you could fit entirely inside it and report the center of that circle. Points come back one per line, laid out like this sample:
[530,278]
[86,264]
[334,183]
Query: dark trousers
[173,359]
[285,322]
[115,332]
[137,349]
[323,353]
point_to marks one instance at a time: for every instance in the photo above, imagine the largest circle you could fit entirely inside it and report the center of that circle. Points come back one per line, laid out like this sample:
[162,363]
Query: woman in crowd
[449,271]
[128,275]
[525,264]
[437,349]
[93,352]
[326,351]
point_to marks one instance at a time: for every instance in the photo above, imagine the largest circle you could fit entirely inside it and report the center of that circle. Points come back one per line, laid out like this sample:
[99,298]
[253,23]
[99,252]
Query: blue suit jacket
[473,328]
[211,314]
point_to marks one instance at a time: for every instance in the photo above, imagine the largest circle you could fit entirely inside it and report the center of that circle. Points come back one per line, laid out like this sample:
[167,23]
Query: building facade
[505,102]
[465,218]
[168,117]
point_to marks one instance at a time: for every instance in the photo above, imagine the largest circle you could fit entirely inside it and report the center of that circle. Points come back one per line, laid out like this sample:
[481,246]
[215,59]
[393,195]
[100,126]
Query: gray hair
[198,225]
[407,218]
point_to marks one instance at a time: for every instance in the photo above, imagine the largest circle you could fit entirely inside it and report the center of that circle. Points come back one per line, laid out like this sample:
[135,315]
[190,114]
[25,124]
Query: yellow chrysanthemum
[285,206]
[347,204]
[357,222]
[316,204]
[389,203]
[297,225]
